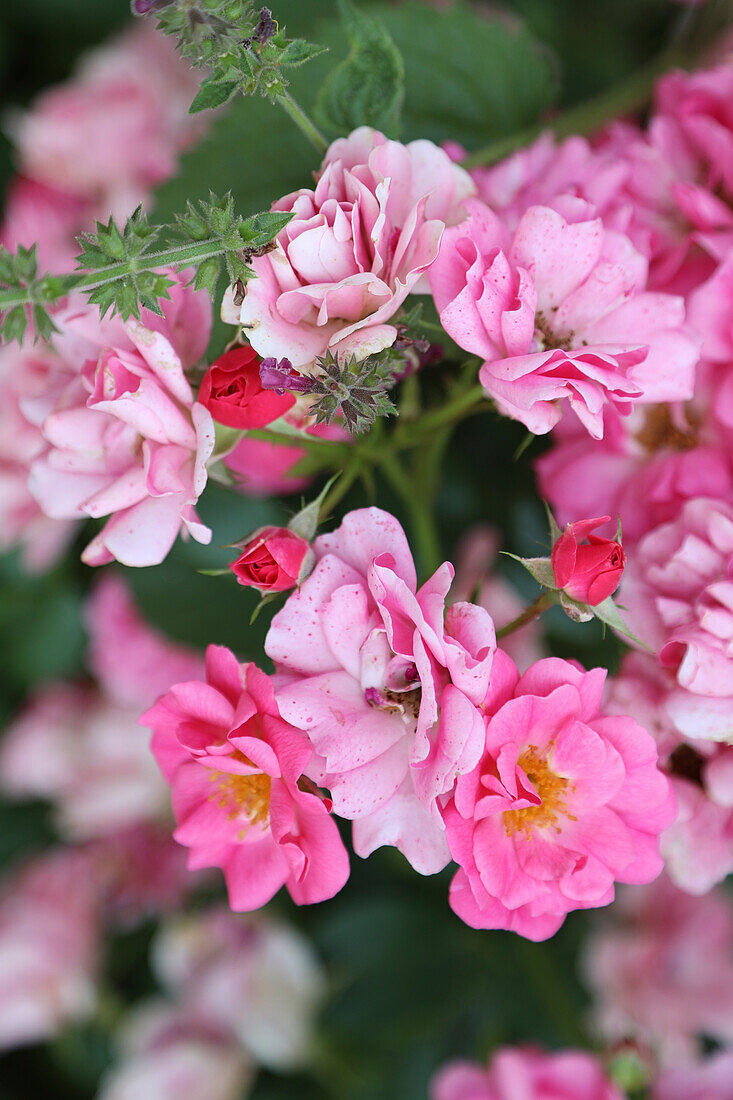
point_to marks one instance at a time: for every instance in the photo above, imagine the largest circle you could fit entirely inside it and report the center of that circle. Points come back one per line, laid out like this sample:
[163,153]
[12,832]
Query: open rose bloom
[317,776]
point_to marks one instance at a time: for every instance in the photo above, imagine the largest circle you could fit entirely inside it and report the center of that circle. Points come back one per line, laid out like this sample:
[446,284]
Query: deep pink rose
[525,1073]
[235,766]
[357,245]
[564,802]
[232,391]
[272,560]
[587,571]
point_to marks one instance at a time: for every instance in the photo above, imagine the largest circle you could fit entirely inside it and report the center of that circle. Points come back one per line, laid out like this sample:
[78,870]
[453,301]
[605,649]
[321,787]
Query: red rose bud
[588,572]
[232,392]
[273,560]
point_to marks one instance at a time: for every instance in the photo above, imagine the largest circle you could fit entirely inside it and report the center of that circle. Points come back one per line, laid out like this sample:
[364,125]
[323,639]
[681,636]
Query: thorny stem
[543,603]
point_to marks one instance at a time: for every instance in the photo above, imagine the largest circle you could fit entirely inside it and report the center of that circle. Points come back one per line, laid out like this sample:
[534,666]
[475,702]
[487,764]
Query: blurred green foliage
[411,985]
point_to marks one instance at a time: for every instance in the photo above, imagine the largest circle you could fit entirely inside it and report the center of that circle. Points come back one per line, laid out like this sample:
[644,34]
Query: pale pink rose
[564,802]
[711,1079]
[167,1054]
[357,246]
[140,872]
[38,213]
[525,1073]
[476,579]
[678,595]
[642,687]
[234,767]
[126,439]
[711,312]
[49,943]
[663,972]
[97,767]
[385,682]
[254,977]
[132,662]
[560,312]
[698,846]
[700,106]
[114,131]
[26,373]
[644,469]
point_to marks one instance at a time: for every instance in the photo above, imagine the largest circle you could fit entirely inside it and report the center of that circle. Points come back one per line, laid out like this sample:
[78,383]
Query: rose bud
[232,392]
[587,571]
[273,559]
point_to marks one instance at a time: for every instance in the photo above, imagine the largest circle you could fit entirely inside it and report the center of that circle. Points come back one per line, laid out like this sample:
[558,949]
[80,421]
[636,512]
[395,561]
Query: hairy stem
[177,256]
[304,123]
[543,603]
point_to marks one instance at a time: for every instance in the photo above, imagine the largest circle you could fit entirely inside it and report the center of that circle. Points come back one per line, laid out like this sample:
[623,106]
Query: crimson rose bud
[587,572]
[232,392]
[273,560]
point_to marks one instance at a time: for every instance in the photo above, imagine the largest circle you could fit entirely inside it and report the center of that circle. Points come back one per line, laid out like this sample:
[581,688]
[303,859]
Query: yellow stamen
[551,789]
[247,795]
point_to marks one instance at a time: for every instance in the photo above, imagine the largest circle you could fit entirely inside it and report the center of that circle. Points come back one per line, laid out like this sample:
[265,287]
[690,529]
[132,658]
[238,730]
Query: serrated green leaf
[213,93]
[368,87]
[298,51]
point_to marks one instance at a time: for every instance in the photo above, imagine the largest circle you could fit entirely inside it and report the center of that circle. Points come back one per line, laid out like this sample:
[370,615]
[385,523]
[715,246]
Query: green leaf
[298,51]
[540,568]
[368,88]
[305,523]
[609,614]
[472,76]
[213,93]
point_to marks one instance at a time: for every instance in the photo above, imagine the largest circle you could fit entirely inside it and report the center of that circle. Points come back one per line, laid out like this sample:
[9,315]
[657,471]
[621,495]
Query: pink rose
[678,593]
[256,978]
[698,846]
[272,560]
[234,767]
[126,438]
[386,683]
[661,970]
[563,802]
[356,247]
[700,106]
[587,571]
[167,1053]
[526,1072]
[560,311]
[49,948]
[711,1079]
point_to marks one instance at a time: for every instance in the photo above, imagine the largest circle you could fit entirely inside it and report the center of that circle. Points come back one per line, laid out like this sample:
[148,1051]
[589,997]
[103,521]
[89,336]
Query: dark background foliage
[411,985]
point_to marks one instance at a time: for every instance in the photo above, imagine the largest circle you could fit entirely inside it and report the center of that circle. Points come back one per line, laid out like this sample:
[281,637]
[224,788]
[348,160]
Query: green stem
[585,118]
[178,256]
[543,603]
[337,493]
[302,121]
[330,450]
[465,404]
[421,513]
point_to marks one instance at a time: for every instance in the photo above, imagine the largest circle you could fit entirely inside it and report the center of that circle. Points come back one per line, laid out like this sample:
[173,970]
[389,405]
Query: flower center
[247,795]
[546,339]
[661,433]
[551,789]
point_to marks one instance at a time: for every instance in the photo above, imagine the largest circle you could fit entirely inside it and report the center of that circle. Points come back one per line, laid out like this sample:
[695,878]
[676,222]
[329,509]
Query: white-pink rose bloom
[559,311]
[125,438]
[357,245]
[678,591]
[386,682]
